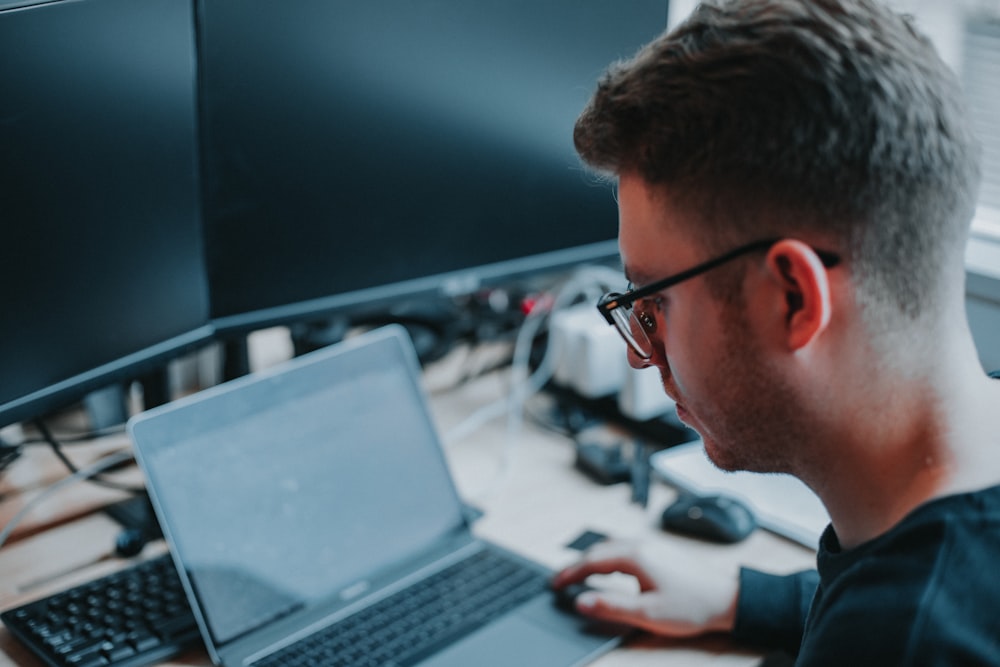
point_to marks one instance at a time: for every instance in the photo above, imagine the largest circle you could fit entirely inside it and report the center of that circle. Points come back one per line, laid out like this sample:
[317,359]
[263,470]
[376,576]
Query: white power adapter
[589,356]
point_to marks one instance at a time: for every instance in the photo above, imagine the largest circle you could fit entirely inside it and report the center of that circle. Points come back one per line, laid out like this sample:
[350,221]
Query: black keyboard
[133,617]
[414,623]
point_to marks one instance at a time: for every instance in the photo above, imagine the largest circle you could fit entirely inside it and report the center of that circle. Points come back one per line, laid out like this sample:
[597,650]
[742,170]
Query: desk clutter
[95,621]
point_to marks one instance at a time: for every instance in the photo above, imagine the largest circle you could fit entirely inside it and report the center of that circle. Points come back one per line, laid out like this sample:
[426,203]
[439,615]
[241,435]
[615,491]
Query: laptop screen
[283,490]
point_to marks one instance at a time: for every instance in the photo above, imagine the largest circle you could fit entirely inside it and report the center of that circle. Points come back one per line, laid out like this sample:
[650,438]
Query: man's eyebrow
[635,277]
[629,275]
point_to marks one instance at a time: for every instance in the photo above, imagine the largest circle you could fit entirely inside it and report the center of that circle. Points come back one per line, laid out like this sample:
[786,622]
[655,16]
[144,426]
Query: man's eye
[653,304]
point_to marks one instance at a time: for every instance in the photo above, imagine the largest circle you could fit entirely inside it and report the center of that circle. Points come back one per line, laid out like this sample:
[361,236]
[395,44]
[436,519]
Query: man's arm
[771,609]
[679,597]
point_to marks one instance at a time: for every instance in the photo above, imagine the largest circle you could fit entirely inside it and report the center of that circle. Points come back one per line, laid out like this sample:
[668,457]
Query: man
[795,182]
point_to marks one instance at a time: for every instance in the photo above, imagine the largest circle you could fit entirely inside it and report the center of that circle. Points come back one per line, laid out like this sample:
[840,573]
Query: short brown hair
[766,117]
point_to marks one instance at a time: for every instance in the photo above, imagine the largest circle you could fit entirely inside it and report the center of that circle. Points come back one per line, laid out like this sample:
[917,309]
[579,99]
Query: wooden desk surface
[535,503]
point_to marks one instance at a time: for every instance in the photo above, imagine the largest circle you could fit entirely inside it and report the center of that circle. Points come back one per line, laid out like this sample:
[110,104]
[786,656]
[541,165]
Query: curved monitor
[358,153]
[101,273]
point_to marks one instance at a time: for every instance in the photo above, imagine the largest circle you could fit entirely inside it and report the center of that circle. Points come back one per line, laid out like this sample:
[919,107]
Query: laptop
[302,502]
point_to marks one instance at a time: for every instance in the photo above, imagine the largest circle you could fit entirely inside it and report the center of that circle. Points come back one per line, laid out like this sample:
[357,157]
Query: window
[980,72]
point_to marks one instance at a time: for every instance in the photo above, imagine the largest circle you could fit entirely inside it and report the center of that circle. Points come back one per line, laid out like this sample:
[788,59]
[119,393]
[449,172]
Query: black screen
[365,150]
[101,267]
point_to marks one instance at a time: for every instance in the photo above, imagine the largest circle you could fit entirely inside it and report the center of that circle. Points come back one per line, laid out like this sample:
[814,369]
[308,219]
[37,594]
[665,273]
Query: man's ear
[801,275]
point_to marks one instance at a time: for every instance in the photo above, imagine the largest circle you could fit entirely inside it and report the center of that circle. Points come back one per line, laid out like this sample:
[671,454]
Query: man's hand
[678,596]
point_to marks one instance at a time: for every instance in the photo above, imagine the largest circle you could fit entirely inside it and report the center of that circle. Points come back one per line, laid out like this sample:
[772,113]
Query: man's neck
[909,442]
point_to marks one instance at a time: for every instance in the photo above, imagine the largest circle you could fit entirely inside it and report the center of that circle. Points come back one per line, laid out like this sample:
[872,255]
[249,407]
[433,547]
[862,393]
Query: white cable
[587,282]
[95,468]
[594,279]
[476,421]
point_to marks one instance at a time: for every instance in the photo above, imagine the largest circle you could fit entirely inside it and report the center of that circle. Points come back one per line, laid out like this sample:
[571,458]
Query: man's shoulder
[954,518]
[922,589]
[959,528]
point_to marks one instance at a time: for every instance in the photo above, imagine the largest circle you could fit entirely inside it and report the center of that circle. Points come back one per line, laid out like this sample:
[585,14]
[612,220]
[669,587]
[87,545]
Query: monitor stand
[106,407]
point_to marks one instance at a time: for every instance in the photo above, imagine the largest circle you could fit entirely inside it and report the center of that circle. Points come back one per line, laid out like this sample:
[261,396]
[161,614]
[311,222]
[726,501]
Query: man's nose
[637,362]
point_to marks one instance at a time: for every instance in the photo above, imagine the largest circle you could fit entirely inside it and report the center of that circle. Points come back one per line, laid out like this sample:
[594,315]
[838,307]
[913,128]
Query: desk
[535,503]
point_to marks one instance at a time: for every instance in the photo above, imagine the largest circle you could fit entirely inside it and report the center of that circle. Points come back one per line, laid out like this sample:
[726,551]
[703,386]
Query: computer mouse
[716,518]
[565,597]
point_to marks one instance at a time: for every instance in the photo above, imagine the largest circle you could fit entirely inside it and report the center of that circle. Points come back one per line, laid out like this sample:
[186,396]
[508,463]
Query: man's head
[829,124]
[831,120]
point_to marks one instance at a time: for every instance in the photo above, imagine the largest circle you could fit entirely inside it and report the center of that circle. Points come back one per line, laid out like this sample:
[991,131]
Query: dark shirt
[925,593]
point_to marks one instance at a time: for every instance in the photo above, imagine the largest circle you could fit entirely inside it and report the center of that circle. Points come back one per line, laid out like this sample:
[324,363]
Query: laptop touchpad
[510,641]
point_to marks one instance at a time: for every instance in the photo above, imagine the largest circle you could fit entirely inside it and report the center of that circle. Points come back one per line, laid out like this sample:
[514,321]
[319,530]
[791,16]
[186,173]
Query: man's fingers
[574,574]
[632,610]
[606,558]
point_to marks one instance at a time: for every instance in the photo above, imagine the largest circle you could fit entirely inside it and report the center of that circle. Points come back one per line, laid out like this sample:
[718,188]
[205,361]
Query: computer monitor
[365,152]
[101,273]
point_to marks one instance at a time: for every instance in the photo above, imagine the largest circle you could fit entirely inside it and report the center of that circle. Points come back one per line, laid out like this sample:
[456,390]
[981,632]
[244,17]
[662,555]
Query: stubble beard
[754,423]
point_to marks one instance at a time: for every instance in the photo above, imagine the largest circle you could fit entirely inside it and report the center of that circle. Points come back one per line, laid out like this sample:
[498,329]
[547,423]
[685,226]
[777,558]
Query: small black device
[139,525]
[586,539]
[715,518]
[565,597]
[605,464]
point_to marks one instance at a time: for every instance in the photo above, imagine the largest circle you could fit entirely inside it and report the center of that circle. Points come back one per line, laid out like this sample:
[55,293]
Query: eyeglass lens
[627,321]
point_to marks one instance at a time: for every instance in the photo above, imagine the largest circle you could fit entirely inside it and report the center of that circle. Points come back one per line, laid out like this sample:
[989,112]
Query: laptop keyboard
[137,616]
[416,622]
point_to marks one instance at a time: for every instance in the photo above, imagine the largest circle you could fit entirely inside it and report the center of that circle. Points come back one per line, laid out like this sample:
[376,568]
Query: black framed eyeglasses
[636,325]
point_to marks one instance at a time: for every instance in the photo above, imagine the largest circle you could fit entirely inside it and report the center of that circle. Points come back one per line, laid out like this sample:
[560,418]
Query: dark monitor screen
[365,151]
[101,269]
